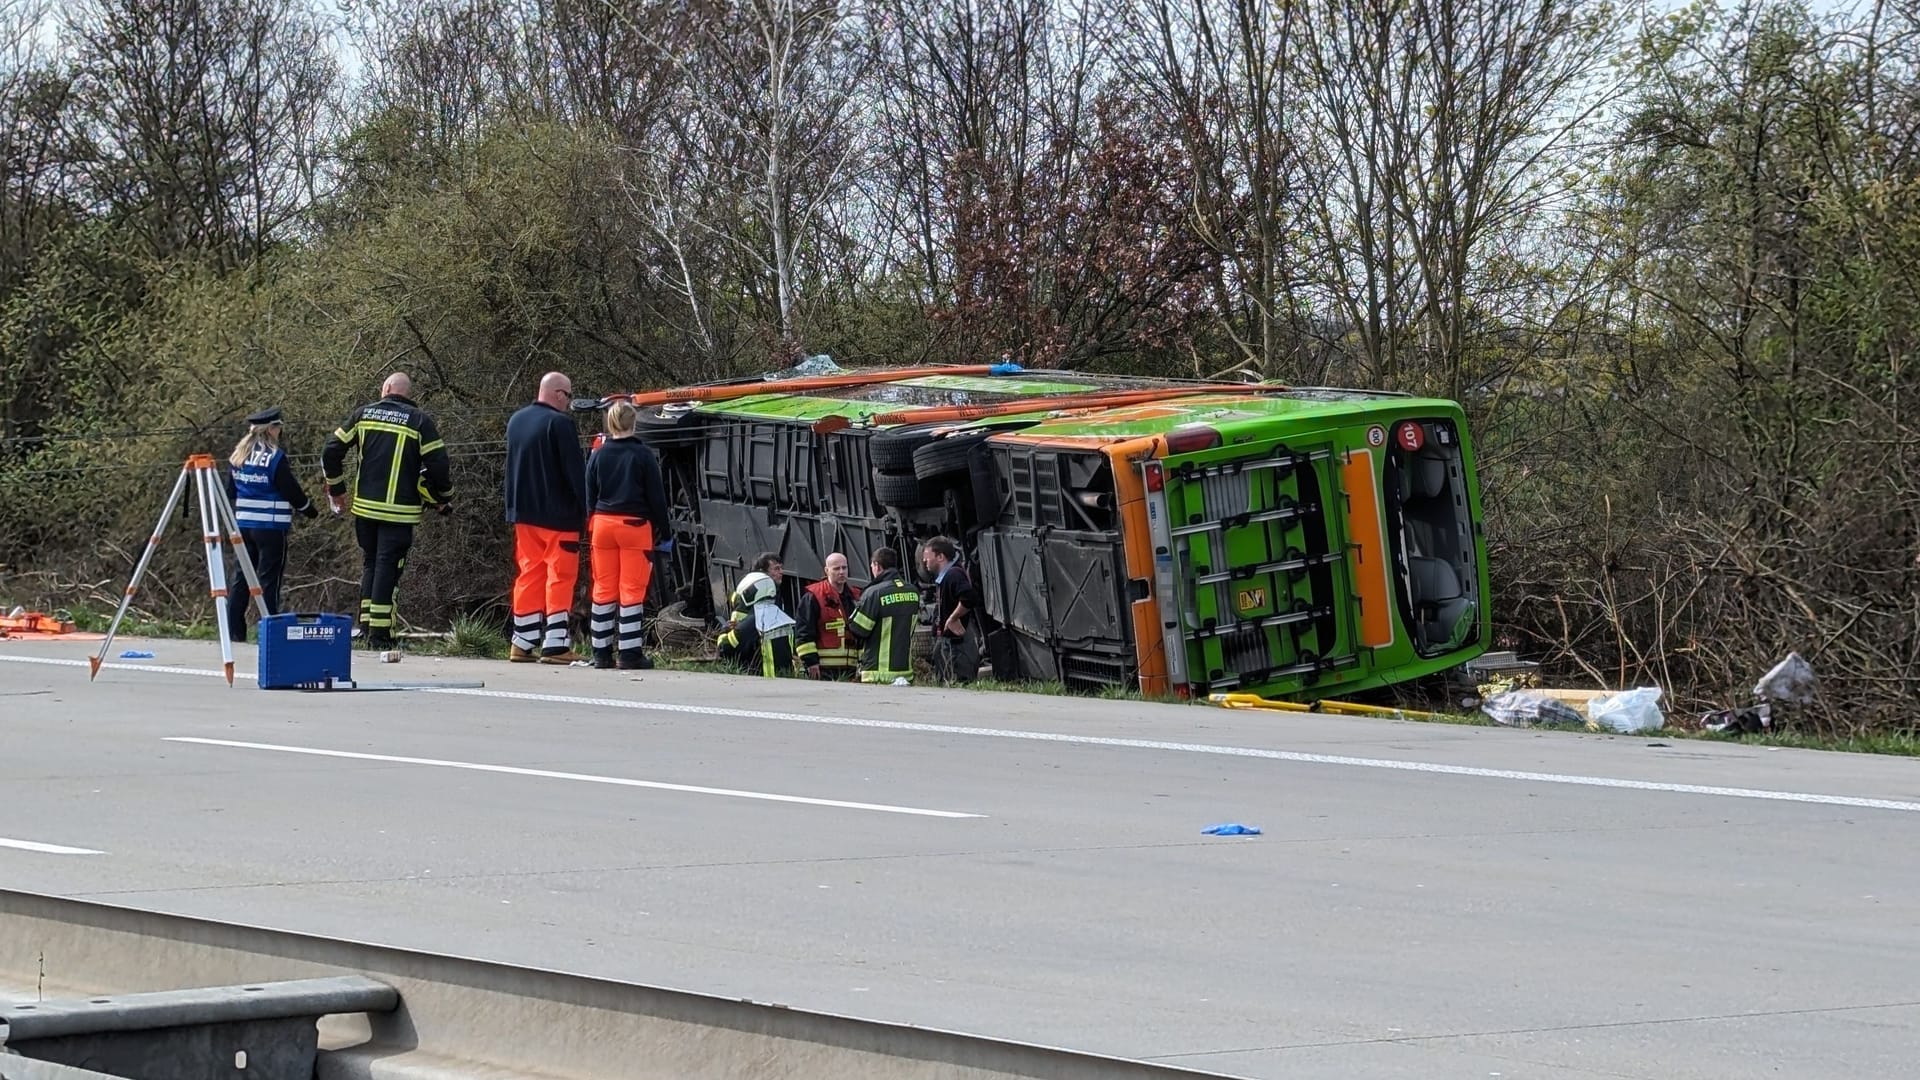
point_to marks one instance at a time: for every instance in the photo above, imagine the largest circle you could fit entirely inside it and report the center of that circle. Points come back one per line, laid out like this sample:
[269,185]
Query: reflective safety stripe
[257,502]
[262,512]
[386,511]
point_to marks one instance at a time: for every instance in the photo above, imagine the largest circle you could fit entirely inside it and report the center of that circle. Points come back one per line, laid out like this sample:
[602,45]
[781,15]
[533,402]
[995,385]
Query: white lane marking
[589,778]
[1144,744]
[136,665]
[1209,748]
[47,849]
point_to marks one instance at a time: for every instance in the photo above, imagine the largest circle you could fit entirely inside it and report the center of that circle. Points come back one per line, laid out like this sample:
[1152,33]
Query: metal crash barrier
[268,1031]
[79,976]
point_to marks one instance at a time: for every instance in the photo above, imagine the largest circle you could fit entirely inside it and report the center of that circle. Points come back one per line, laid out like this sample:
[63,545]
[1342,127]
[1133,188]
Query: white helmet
[756,588]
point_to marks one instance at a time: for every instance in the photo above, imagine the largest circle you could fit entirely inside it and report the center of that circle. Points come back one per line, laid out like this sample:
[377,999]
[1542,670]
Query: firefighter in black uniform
[884,620]
[759,635]
[403,467]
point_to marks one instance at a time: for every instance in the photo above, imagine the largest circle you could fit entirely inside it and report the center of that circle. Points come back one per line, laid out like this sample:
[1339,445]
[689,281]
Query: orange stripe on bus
[1065,442]
[1371,580]
[1130,498]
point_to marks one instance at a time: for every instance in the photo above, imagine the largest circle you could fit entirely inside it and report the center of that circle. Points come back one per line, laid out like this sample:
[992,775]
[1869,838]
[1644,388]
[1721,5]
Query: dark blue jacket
[546,470]
[624,478]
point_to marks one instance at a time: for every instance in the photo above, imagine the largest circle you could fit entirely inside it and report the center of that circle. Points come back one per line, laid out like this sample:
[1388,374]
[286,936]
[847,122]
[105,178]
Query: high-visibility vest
[831,645]
[257,502]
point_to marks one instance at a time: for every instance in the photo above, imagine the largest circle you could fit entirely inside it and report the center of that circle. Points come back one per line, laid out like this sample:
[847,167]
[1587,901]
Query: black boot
[603,659]
[634,660]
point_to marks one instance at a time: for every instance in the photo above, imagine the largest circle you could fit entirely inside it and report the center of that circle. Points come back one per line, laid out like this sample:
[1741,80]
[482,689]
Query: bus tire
[892,450]
[903,490]
[944,456]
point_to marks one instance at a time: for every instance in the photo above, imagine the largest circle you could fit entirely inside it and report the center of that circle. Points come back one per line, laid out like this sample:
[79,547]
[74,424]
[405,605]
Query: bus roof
[897,400]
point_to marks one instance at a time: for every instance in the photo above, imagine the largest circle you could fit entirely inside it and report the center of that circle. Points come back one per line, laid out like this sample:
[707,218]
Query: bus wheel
[903,490]
[892,450]
[943,456]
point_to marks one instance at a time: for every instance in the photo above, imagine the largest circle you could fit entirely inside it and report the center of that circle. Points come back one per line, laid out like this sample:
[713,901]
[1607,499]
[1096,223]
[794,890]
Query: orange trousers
[549,563]
[622,570]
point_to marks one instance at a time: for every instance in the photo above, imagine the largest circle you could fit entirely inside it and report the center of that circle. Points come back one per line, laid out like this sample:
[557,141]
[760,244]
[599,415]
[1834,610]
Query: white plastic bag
[1628,711]
[1791,680]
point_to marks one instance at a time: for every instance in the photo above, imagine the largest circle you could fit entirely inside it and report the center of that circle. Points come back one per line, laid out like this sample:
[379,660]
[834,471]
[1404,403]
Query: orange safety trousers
[549,565]
[622,569]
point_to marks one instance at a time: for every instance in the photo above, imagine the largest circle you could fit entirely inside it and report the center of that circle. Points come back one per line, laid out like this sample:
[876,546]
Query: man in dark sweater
[956,652]
[546,493]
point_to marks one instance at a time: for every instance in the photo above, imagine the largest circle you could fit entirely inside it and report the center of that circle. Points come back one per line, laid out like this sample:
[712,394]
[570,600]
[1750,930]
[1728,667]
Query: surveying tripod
[216,516]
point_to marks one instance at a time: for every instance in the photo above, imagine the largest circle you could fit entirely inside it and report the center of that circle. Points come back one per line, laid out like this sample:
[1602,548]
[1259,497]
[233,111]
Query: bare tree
[32,97]
[200,117]
[1442,131]
[615,61]
[1225,71]
[765,104]
[957,88]
[435,73]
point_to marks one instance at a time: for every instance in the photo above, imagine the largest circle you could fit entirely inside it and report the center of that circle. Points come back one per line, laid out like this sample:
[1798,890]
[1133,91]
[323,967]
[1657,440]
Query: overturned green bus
[1179,537]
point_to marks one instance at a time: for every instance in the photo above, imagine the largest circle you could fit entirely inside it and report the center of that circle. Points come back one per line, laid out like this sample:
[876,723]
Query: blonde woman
[628,500]
[265,497]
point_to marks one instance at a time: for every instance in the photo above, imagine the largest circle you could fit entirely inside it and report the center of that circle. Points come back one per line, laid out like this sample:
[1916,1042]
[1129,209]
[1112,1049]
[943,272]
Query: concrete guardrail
[457,1017]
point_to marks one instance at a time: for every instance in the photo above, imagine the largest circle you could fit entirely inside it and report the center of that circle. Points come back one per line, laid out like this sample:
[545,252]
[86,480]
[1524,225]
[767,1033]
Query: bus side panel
[778,486]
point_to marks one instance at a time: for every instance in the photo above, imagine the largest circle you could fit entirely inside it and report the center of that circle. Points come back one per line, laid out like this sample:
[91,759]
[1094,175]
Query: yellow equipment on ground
[1338,708]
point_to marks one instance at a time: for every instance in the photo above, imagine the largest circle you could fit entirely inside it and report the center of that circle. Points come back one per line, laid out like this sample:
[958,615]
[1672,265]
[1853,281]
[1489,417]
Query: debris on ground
[679,633]
[1335,708]
[1529,708]
[136,654]
[20,622]
[1627,712]
[1791,681]
[1232,829]
[1503,667]
[1753,720]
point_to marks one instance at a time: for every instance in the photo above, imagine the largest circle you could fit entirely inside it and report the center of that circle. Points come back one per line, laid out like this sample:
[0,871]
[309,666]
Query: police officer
[884,620]
[265,496]
[403,467]
[822,634]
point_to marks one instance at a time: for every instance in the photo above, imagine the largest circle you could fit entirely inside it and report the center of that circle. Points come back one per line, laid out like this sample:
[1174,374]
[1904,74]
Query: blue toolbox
[305,651]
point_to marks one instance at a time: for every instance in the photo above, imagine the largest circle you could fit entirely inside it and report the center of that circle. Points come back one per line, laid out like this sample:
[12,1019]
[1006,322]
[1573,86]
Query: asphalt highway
[1425,901]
